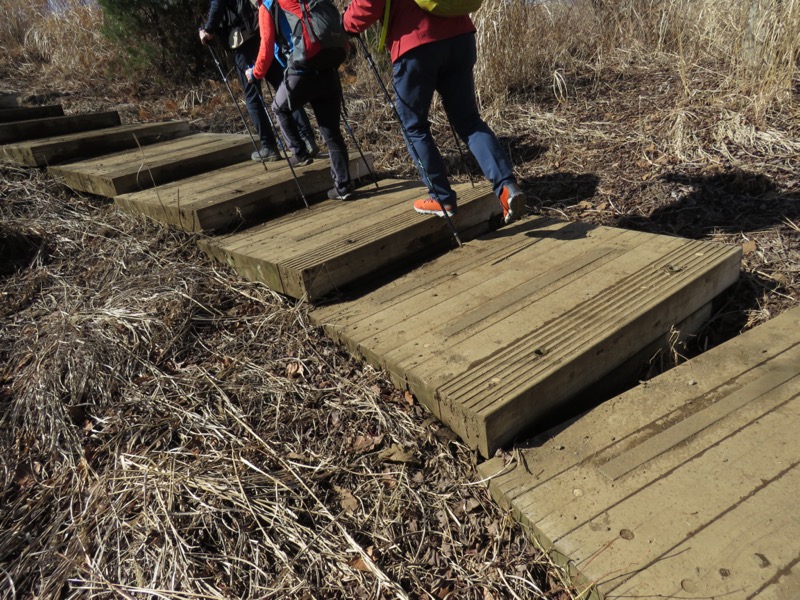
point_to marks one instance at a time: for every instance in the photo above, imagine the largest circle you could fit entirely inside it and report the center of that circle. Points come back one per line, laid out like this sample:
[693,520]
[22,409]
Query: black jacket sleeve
[215,15]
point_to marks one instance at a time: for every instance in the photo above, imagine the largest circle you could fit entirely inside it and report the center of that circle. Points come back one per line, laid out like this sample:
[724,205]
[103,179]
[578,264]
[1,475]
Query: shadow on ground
[735,201]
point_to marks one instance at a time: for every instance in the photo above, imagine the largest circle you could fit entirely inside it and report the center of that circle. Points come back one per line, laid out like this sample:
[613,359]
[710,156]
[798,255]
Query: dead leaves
[347,500]
[366,443]
[295,370]
[396,454]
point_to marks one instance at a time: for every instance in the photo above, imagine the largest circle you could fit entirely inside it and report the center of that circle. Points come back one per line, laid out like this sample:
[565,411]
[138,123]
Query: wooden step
[86,144]
[311,253]
[156,164]
[9,100]
[32,129]
[240,192]
[499,335]
[684,487]
[30,112]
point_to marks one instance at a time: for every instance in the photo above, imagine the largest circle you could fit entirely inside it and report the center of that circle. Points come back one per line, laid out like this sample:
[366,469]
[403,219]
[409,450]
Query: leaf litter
[170,431]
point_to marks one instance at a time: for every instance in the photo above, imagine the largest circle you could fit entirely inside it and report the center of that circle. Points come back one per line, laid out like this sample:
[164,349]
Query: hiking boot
[300,161]
[267,154]
[513,201]
[429,206]
[345,194]
[311,147]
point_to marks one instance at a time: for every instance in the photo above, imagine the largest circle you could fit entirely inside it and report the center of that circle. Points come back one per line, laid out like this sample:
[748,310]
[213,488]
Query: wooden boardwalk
[502,333]
[42,152]
[8,100]
[681,488]
[31,112]
[684,487]
[311,253]
[156,164]
[239,193]
[16,131]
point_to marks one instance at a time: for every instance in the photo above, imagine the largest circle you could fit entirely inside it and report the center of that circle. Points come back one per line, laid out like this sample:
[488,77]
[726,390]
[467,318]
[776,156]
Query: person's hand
[205,36]
[249,74]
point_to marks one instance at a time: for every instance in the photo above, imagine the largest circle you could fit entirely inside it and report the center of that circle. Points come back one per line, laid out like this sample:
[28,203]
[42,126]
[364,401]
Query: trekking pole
[353,135]
[461,152]
[281,145]
[235,103]
[416,156]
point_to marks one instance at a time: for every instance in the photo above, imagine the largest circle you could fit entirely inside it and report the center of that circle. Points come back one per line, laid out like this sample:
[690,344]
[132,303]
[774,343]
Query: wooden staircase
[496,339]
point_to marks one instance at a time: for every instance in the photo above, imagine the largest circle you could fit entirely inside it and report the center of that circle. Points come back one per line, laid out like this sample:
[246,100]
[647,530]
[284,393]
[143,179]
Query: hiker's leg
[327,105]
[457,89]
[275,77]
[291,93]
[252,92]
[414,76]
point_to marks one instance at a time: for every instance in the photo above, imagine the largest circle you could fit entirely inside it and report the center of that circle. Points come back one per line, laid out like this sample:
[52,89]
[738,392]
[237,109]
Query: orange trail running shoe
[513,200]
[429,206]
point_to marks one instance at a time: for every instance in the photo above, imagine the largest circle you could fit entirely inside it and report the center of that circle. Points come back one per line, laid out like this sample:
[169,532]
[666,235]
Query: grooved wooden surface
[496,336]
[311,253]
[30,112]
[231,195]
[684,487]
[155,164]
[31,129]
[85,144]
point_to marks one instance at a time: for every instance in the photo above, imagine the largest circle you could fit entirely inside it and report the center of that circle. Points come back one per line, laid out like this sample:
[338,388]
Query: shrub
[157,34]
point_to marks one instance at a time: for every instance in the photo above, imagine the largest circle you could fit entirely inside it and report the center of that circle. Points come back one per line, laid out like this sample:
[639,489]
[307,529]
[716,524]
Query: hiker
[316,85]
[431,53]
[243,40]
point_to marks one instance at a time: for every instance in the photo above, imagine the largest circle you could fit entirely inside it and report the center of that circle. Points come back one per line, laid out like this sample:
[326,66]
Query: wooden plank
[31,129]
[86,144]
[311,253]
[684,487]
[240,192]
[9,100]
[156,164]
[529,317]
[30,112]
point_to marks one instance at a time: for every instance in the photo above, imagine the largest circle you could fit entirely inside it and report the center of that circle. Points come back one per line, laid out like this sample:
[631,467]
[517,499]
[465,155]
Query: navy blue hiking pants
[245,56]
[446,67]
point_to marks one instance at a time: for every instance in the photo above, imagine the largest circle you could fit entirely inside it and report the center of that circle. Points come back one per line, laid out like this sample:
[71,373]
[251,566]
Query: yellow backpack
[440,8]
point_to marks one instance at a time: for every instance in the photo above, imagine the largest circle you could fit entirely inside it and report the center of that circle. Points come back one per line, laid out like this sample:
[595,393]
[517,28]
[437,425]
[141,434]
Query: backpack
[318,40]
[240,21]
[440,8]
[449,8]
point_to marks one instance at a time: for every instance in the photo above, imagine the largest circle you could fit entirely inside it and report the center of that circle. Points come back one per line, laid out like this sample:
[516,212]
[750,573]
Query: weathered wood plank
[156,164]
[527,318]
[311,253]
[31,129]
[684,487]
[234,194]
[9,100]
[30,112]
[86,144]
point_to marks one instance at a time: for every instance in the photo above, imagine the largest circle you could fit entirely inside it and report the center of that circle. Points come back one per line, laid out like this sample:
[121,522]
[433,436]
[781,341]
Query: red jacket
[409,25]
[266,52]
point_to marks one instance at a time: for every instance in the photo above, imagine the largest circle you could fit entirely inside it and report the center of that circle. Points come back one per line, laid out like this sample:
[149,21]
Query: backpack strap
[384,26]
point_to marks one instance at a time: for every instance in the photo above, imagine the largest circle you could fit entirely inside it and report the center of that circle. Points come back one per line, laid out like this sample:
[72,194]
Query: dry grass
[61,38]
[167,430]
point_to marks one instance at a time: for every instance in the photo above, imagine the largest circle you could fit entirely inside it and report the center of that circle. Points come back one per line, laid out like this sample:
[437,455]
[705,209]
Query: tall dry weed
[747,47]
[60,37]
